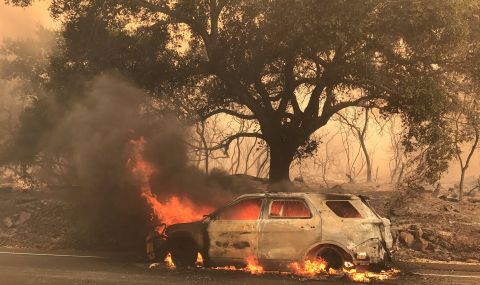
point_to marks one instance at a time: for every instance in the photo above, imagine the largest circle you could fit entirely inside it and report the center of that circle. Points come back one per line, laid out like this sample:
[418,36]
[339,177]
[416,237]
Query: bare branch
[225,144]
[229,112]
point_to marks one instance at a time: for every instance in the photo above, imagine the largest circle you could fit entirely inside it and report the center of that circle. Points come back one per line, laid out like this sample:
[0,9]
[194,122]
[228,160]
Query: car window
[247,209]
[343,209]
[289,209]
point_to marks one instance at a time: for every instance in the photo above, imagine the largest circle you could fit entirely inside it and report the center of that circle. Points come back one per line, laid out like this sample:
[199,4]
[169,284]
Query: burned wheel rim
[332,256]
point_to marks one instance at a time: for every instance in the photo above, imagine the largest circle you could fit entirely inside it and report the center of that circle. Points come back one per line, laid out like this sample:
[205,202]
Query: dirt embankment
[428,227]
[34,220]
[433,228]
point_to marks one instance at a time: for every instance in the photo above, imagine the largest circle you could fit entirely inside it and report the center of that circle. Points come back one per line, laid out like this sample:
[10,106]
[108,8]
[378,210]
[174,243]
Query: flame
[309,268]
[253,266]
[173,209]
[199,261]
[169,262]
[368,276]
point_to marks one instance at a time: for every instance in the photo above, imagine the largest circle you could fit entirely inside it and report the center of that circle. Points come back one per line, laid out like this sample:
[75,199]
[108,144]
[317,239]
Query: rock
[407,238]
[429,236]
[445,244]
[416,231]
[431,247]
[471,260]
[23,217]
[428,188]
[450,208]
[451,197]
[8,222]
[473,200]
[299,179]
[420,244]
[155,265]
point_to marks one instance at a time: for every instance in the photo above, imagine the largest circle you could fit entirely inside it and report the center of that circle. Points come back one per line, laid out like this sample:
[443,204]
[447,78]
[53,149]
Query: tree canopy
[288,65]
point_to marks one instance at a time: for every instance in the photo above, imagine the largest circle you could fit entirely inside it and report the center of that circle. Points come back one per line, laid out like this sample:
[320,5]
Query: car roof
[322,196]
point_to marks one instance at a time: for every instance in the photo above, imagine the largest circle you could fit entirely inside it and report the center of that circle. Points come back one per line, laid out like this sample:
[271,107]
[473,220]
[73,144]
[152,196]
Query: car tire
[184,253]
[334,257]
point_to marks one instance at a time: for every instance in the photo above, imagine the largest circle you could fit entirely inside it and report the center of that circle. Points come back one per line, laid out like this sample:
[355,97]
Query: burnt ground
[441,231]
[53,267]
[35,220]
[435,229]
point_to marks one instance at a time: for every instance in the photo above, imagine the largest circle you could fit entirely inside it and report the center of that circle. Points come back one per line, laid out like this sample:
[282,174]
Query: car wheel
[332,256]
[184,253]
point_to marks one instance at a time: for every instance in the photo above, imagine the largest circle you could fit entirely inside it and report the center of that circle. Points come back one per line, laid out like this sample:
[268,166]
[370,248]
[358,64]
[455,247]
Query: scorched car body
[280,228]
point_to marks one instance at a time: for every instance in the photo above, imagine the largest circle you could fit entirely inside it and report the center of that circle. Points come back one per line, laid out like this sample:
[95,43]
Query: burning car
[280,228]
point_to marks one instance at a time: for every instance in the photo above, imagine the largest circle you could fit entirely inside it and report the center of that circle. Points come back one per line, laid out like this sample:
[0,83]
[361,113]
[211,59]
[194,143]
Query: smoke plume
[96,134]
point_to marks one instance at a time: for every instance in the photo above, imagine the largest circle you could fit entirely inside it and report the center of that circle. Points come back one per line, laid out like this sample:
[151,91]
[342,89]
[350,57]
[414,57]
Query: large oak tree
[289,65]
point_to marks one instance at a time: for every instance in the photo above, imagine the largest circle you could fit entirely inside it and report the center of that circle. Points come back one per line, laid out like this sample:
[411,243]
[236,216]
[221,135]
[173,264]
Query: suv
[280,228]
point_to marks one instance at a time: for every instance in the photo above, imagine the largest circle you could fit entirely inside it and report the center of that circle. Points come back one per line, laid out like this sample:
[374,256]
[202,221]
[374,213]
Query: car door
[233,231]
[289,227]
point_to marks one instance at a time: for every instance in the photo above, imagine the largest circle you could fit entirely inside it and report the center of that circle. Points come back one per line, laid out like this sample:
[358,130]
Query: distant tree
[398,161]
[288,65]
[466,126]
[23,113]
[326,159]
[358,123]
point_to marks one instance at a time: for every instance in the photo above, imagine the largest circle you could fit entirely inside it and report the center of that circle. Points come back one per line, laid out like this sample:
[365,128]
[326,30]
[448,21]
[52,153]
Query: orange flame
[309,268]
[173,209]
[169,262]
[199,261]
[368,276]
[253,266]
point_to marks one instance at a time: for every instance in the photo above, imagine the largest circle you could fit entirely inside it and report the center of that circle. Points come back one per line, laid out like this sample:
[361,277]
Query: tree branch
[229,112]
[225,144]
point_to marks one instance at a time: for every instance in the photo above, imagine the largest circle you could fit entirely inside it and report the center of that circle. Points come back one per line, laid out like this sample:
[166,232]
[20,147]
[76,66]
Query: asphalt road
[19,267]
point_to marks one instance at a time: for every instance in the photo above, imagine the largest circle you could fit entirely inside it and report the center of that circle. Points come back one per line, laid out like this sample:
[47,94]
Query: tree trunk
[367,158]
[400,175]
[461,184]
[207,167]
[281,158]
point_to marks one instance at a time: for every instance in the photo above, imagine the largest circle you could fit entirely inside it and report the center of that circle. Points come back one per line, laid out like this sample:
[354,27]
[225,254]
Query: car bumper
[371,251]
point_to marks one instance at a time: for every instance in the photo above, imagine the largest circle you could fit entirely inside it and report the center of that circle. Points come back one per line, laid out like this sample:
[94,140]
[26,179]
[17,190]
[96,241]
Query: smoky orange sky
[16,22]
[21,23]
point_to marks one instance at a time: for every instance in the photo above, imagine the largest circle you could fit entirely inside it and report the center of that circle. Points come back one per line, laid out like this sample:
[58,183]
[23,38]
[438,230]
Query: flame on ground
[172,209]
[169,262]
[368,276]
[199,262]
[253,266]
[308,268]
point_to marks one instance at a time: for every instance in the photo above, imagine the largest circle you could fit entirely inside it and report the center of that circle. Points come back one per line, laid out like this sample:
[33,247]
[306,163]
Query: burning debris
[309,269]
[253,266]
[169,262]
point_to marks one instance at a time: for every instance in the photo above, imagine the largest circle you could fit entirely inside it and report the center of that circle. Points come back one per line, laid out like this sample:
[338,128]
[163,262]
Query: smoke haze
[94,136]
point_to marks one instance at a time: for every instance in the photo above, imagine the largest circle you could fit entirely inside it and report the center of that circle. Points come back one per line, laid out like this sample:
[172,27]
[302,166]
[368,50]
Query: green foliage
[290,65]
